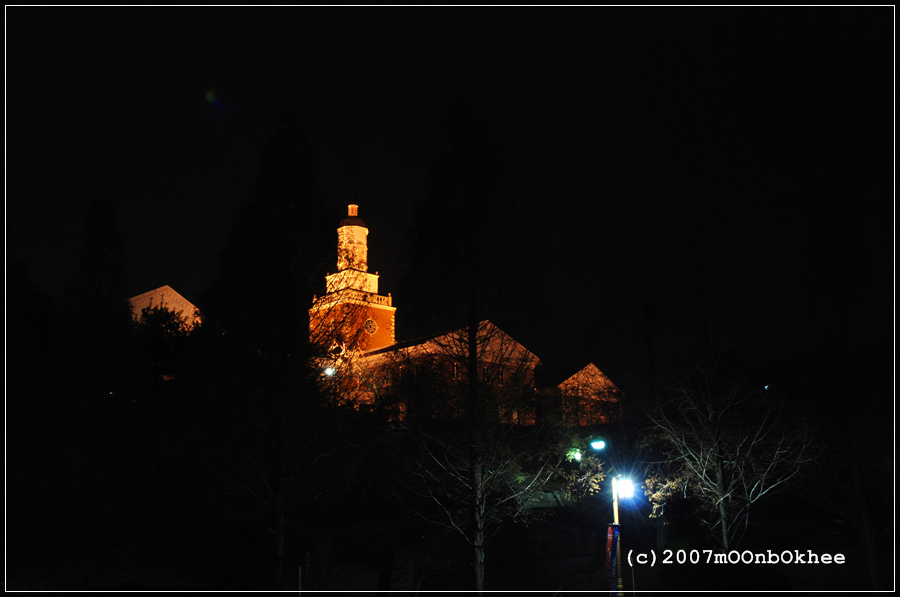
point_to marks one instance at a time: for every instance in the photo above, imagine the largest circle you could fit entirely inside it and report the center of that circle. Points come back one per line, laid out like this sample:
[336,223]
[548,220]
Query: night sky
[758,138]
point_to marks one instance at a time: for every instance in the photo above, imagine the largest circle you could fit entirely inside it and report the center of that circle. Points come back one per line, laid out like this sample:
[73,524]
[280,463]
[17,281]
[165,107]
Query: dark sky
[761,136]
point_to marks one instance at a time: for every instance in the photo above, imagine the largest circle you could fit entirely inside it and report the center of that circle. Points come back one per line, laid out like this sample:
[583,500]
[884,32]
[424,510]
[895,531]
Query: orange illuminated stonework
[166,298]
[430,378]
[363,366]
[588,397]
[352,315]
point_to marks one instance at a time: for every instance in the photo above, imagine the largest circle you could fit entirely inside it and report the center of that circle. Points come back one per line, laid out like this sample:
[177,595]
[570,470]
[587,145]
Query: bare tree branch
[727,448]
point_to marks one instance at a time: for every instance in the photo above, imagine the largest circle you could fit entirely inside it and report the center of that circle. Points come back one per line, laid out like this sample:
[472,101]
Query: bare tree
[727,447]
[465,268]
[477,456]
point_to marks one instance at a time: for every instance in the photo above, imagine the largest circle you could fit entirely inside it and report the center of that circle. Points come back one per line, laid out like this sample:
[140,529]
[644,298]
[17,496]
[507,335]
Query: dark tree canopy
[464,251]
[277,251]
[96,313]
[100,277]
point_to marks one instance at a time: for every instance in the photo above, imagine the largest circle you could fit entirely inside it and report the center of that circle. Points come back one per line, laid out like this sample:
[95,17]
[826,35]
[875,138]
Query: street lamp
[621,488]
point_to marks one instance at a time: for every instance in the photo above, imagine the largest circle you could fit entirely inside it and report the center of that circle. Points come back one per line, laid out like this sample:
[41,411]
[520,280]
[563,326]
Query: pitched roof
[498,343]
[559,376]
[589,376]
[165,297]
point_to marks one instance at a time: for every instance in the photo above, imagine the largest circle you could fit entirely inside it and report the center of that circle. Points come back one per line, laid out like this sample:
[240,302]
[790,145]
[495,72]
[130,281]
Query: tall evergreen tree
[464,252]
[277,251]
[96,305]
[32,402]
[73,450]
[266,390]
[845,381]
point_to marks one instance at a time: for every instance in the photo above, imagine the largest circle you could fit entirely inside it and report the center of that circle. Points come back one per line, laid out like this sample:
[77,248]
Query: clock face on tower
[370,326]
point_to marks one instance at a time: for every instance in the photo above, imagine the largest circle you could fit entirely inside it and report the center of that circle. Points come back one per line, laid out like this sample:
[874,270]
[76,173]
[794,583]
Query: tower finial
[352,210]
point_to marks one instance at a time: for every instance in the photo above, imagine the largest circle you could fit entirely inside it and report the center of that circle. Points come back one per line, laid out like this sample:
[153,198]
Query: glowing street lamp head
[625,488]
[598,444]
[329,371]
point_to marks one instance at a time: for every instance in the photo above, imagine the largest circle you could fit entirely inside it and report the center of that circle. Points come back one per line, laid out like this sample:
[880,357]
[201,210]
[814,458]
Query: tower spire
[352,306]
[353,245]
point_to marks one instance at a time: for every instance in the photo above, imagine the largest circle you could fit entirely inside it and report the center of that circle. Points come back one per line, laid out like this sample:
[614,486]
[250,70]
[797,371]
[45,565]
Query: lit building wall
[589,398]
[429,378]
[167,298]
[366,368]
[352,314]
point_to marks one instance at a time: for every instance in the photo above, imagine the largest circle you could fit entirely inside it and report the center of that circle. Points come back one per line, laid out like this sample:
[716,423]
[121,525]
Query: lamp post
[621,488]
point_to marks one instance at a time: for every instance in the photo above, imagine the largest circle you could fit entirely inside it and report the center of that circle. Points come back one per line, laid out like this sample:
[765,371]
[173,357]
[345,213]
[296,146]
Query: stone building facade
[429,377]
[167,298]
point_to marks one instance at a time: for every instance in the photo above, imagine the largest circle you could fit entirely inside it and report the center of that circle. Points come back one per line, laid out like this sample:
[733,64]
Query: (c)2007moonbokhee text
[709,556]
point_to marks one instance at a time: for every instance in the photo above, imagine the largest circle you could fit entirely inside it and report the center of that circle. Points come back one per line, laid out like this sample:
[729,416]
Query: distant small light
[765,387]
[329,371]
[577,456]
[211,98]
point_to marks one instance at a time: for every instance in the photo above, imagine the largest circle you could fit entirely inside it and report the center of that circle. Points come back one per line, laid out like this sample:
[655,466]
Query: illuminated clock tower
[352,314]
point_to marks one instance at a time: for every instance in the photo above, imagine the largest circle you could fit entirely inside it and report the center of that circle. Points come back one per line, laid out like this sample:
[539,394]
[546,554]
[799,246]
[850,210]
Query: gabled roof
[165,297]
[588,376]
[493,343]
[562,376]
